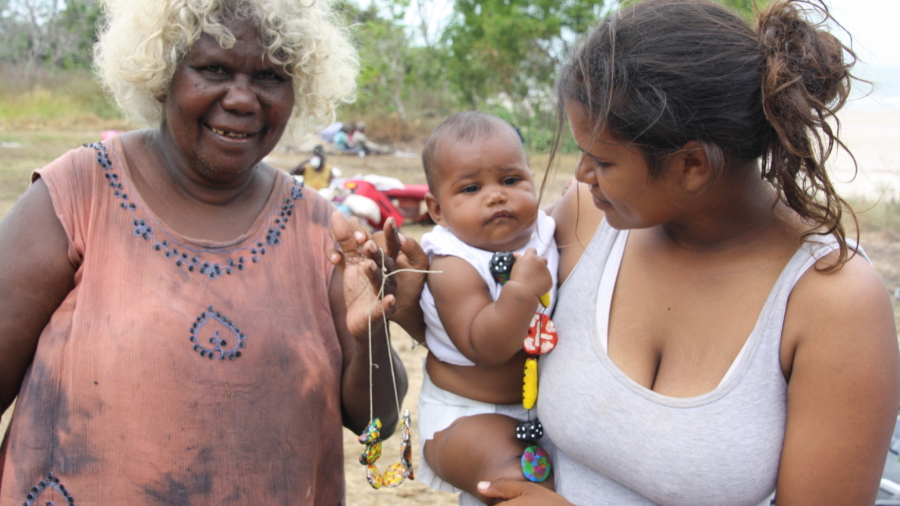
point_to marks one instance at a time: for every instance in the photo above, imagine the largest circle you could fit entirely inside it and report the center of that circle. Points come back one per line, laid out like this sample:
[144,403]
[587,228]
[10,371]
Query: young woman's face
[619,177]
[226,107]
[486,194]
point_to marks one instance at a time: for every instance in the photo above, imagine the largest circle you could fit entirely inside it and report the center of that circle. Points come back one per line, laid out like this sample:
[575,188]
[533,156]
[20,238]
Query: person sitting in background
[342,138]
[173,317]
[316,171]
[359,140]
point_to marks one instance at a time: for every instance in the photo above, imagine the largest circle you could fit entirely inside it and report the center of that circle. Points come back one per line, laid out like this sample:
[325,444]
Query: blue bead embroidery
[208,346]
[192,262]
[50,482]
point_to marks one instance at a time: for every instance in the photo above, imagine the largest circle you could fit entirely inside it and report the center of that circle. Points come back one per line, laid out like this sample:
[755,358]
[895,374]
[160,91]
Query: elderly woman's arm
[354,303]
[35,277]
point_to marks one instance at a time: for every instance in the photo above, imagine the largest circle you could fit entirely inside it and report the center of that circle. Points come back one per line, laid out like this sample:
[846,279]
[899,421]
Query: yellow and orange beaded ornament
[399,471]
[396,472]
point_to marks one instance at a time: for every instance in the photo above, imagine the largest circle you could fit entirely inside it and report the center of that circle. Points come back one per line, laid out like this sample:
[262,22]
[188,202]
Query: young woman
[720,337]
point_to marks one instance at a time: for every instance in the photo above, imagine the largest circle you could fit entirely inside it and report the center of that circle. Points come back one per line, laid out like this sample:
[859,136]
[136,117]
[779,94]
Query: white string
[387,333]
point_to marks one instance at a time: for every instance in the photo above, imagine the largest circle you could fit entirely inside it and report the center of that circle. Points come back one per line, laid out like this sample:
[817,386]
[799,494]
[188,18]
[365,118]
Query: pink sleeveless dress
[180,371]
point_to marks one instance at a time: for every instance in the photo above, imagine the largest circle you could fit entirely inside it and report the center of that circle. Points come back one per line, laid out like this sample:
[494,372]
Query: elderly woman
[170,318]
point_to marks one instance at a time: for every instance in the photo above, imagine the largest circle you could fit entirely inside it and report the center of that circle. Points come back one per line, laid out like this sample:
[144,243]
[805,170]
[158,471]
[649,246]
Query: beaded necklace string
[541,339]
[371,436]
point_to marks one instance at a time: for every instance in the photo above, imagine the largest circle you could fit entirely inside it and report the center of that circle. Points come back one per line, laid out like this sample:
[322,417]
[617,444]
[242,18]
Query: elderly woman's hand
[363,265]
[361,257]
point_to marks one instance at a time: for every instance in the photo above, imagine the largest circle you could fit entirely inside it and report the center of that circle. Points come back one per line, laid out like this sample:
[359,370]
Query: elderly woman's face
[226,108]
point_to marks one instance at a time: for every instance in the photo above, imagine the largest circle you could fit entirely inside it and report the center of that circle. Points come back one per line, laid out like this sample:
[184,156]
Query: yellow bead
[394,475]
[530,384]
[372,453]
[545,299]
[373,476]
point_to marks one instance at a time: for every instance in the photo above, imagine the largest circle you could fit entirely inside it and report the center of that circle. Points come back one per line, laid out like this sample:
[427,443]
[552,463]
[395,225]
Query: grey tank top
[614,442]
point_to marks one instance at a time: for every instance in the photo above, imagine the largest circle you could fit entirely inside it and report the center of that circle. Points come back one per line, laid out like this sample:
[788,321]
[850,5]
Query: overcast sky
[874,26]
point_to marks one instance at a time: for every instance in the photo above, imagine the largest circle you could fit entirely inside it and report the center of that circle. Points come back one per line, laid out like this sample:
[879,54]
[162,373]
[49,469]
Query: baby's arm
[488,332]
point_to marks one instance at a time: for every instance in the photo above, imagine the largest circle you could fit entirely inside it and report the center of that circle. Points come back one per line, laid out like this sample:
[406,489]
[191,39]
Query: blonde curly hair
[143,42]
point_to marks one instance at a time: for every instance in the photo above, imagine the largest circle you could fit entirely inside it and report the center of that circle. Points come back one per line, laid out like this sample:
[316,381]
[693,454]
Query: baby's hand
[531,271]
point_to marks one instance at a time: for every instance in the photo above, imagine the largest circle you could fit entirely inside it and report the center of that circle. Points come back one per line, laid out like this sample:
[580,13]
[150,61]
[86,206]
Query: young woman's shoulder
[845,308]
[840,354]
[577,219]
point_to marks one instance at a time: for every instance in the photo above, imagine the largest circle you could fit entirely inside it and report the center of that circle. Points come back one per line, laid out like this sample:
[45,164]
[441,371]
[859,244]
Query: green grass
[37,99]
[35,149]
[878,216]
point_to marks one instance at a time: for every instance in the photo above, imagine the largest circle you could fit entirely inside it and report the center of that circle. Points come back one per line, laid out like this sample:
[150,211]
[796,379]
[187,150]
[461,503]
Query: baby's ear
[434,208]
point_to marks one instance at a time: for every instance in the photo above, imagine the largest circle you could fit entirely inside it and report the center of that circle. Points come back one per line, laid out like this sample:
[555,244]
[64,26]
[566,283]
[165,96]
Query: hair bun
[803,60]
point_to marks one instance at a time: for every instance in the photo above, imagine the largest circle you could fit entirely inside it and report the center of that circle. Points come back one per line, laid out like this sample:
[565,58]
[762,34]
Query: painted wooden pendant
[536,464]
[542,336]
[541,339]
[530,383]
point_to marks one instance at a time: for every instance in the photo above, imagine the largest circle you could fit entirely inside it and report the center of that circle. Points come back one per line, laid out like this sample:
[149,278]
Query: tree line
[495,55]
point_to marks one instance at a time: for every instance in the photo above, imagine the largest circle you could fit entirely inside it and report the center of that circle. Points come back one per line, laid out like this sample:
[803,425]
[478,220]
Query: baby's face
[485,191]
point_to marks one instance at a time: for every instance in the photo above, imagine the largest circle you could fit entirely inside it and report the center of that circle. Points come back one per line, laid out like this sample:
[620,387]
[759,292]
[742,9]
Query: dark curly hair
[660,73]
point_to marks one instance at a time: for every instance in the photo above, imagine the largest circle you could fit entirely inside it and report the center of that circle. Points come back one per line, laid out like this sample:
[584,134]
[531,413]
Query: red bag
[366,189]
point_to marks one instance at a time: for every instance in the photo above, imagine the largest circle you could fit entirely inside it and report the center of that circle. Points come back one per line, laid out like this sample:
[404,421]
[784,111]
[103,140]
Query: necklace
[206,262]
[541,339]
[397,472]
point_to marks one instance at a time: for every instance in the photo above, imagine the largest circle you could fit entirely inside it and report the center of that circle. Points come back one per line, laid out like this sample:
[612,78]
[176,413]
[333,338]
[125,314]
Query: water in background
[882,94]
[870,127]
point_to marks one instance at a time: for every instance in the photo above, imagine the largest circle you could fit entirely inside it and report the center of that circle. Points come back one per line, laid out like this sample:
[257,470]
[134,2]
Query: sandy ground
[872,135]
[359,493]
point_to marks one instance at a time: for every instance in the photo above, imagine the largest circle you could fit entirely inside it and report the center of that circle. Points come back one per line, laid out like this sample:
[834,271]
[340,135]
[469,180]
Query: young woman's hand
[521,493]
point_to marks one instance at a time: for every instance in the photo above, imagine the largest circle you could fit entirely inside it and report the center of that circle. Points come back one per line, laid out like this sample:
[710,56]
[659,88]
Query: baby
[483,199]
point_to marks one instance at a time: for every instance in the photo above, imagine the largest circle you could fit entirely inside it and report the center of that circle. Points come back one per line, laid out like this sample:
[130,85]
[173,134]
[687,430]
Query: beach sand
[873,136]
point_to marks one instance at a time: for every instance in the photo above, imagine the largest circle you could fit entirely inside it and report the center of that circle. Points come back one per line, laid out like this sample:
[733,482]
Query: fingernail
[484,485]
[359,235]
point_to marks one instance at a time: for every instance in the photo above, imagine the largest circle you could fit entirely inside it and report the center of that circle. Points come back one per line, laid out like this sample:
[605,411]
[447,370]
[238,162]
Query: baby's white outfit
[439,408]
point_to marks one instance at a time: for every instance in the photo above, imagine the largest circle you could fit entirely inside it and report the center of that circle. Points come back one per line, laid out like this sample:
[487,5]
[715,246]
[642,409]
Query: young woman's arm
[521,493]
[840,355]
